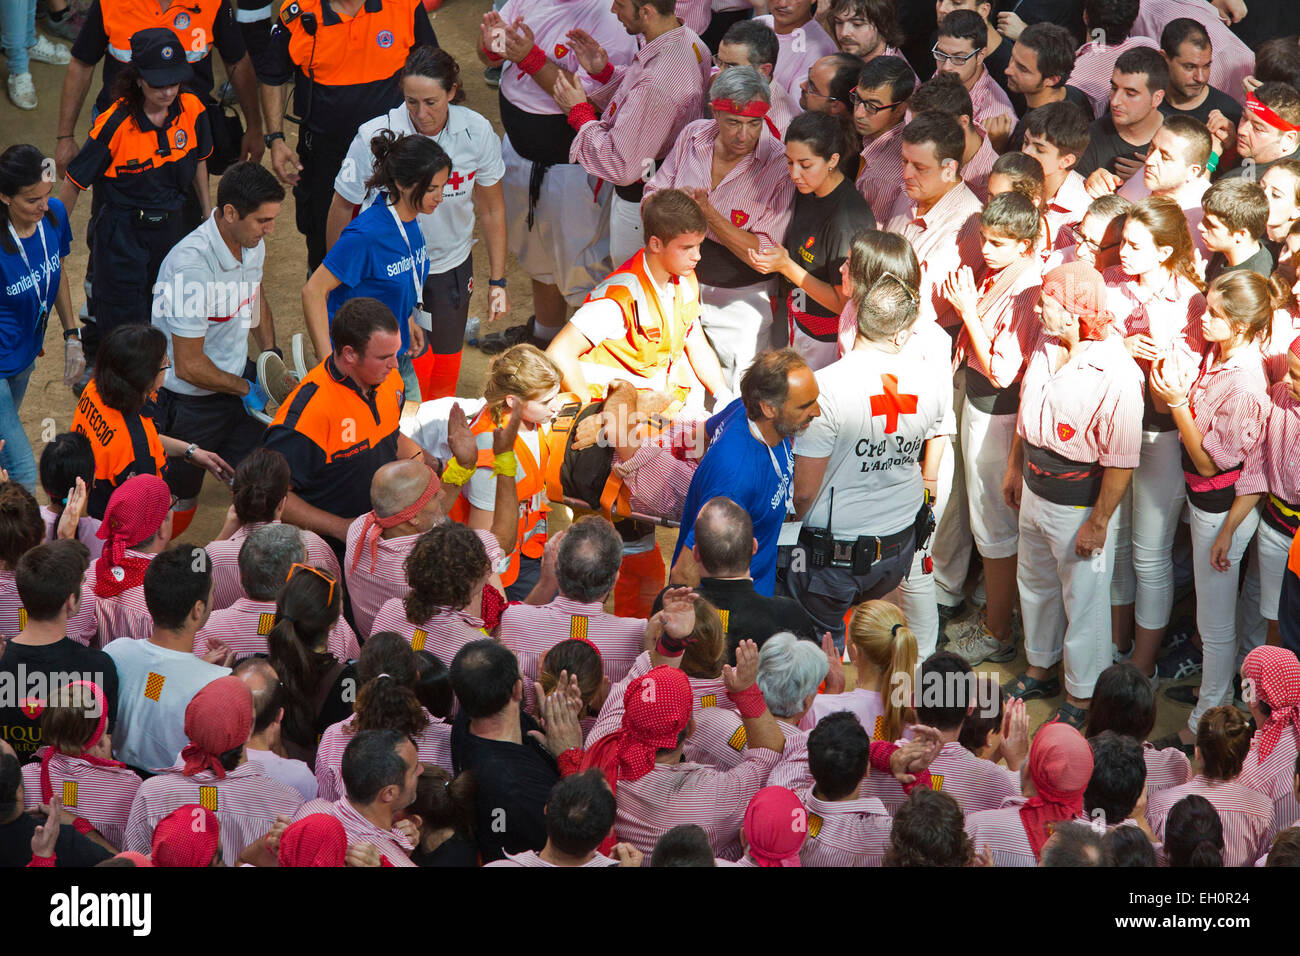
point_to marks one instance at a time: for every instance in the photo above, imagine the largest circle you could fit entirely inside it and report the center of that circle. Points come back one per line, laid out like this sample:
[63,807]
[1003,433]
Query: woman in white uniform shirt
[431,87]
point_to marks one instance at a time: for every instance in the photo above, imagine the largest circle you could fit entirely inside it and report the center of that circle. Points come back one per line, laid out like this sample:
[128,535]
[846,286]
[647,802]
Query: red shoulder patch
[1064,431]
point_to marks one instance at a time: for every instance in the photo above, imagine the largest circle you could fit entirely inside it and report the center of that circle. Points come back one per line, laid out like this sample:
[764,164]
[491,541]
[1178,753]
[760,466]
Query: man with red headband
[1077,441]
[1270,685]
[734,166]
[214,772]
[1056,775]
[1269,130]
[137,525]
[189,836]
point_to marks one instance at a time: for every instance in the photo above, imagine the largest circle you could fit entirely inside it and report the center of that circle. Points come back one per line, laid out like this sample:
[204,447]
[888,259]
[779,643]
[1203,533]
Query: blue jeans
[16,457]
[17,33]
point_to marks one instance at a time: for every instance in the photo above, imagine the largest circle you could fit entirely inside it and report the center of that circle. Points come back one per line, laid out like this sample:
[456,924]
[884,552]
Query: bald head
[724,538]
[398,485]
[268,694]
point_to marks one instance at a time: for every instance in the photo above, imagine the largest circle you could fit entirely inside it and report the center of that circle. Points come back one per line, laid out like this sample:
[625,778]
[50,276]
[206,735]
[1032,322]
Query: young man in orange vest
[641,324]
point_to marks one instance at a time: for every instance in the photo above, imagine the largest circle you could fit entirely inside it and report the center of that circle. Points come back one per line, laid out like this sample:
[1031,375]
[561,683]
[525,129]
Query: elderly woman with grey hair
[734,167]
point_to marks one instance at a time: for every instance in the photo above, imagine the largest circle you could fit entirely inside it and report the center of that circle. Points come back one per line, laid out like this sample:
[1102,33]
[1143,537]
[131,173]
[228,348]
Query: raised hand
[73,511]
[835,681]
[460,439]
[745,673]
[591,55]
[678,614]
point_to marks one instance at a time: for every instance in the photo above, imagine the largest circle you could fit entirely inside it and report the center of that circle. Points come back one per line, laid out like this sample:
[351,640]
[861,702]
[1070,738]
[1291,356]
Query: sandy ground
[49,405]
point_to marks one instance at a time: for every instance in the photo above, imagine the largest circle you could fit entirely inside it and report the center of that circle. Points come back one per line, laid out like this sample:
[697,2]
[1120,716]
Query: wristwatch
[270,138]
[189,452]
[72,334]
[499,283]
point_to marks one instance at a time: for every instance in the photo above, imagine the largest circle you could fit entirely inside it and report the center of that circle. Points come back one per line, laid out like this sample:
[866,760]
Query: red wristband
[494,57]
[534,61]
[881,751]
[82,825]
[749,702]
[669,647]
[581,115]
[570,761]
[44,861]
[605,75]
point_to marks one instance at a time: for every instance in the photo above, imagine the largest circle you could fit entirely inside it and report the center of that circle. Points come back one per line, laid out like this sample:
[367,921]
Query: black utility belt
[149,218]
[855,554]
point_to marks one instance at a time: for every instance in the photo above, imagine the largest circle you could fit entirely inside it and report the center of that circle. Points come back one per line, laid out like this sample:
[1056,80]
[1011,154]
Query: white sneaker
[47,51]
[21,91]
[977,645]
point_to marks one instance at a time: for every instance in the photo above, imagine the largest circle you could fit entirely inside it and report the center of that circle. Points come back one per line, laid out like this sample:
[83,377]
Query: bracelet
[1179,405]
[70,334]
[456,474]
[534,61]
[749,702]
[497,283]
[505,464]
[668,646]
[65,136]
[605,75]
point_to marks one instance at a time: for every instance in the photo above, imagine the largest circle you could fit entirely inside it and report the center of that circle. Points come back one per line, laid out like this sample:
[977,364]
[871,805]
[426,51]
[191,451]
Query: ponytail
[405,163]
[388,672]
[880,633]
[299,669]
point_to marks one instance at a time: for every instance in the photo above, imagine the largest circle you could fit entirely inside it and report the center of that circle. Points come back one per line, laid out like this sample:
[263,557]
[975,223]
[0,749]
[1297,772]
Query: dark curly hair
[443,569]
[21,525]
[260,484]
[387,672]
[929,830]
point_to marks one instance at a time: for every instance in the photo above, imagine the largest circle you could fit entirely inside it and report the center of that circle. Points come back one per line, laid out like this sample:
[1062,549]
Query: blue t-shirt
[22,327]
[371,259]
[739,466]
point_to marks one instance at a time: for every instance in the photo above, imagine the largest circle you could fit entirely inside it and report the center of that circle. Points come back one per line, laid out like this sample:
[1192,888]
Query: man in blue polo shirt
[751,460]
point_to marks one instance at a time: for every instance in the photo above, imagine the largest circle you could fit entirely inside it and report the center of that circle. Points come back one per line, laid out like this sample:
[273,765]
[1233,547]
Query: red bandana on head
[776,824]
[1060,765]
[373,526]
[315,840]
[1274,676]
[1265,113]
[188,836]
[135,513]
[217,720]
[656,709]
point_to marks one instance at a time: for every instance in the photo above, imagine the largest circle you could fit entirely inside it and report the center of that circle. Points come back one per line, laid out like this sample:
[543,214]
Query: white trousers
[952,540]
[916,596]
[1144,573]
[1064,599]
[736,321]
[1216,606]
[986,449]
[1261,592]
[625,233]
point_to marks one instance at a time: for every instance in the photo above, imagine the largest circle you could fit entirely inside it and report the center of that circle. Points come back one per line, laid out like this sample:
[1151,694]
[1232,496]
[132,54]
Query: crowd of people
[941,334]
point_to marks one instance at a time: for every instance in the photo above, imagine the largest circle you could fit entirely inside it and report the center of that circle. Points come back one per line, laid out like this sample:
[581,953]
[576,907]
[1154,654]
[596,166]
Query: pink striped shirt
[442,635]
[1273,778]
[530,858]
[432,747]
[224,558]
[845,832]
[125,614]
[1229,404]
[792,64]
[1171,315]
[82,626]
[1011,323]
[708,692]
[975,783]
[1090,409]
[244,625]
[756,195]
[102,795]
[658,475]
[86,529]
[880,179]
[645,108]
[784,107]
[976,171]
[990,100]
[719,740]
[1094,66]
[1272,465]
[944,238]
[1246,814]
[392,844]
[1286,326]
[532,630]
[246,803]
[1165,768]
[1067,208]
[1232,61]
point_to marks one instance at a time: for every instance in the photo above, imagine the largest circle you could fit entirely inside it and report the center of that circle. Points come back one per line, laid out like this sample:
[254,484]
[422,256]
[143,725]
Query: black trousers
[321,159]
[128,253]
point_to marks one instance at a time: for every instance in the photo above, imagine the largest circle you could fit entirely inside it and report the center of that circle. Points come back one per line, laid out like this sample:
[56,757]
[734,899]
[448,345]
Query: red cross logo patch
[891,404]
[455,179]
[1066,432]
[561,51]
[739,217]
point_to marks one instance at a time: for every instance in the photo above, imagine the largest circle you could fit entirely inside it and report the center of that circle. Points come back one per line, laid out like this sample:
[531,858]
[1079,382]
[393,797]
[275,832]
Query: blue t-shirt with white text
[22,331]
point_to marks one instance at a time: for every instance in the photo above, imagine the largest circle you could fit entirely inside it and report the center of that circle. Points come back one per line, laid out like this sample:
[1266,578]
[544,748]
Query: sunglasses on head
[295,567]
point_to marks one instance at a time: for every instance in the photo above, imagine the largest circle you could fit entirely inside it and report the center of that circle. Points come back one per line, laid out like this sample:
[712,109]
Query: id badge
[789,535]
[423,319]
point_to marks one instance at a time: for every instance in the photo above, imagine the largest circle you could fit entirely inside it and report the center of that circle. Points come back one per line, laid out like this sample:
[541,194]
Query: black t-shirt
[996,62]
[1261,262]
[456,850]
[1064,13]
[1072,95]
[1215,100]
[71,848]
[1257,170]
[512,783]
[751,616]
[30,672]
[820,236]
[1106,146]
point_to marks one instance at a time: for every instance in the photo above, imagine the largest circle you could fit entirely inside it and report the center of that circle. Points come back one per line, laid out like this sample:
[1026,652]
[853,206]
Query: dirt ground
[49,405]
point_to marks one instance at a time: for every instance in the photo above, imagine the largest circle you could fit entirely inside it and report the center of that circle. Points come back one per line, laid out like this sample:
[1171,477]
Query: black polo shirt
[750,616]
[1106,146]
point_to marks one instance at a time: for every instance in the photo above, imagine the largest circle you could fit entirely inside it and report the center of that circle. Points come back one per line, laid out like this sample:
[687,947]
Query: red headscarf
[315,840]
[188,836]
[1080,289]
[373,525]
[135,512]
[776,825]
[1060,765]
[218,719]
[656,709]
[1274,674]
[47,786]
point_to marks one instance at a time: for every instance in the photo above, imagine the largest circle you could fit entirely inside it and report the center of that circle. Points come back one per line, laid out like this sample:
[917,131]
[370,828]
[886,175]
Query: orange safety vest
[193,22]
[530,484]
[652,341]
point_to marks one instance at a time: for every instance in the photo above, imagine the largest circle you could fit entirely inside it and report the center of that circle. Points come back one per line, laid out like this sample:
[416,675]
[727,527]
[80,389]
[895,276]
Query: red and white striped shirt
[1171,315]
[102,795]
[1090,409]
[1273,778]
[707,692]
[757,195]
[975,783]
[124,614]
[532,630]
[1165,768]
[694,13]
[880,177]
[976,172]
[244,625]
[86,531]
[1272,465]
[392,844]
[82,626]
[1229,404]
[442,635]
[784,107]
[845,832]
[944,238]
[1003,832]
[658,475]
[719,740]
[530,858]
[246,803]
[798,50]
[1286,326]
[1067,208]
[1246,814]
[1094,67]
[990,100]
[1232,61]
[223,557]
[432,747]
[1011,322]
[645,108]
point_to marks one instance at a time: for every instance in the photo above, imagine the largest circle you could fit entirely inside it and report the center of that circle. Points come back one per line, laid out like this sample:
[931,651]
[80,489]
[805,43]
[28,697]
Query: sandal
[1025,687]
[1075,717]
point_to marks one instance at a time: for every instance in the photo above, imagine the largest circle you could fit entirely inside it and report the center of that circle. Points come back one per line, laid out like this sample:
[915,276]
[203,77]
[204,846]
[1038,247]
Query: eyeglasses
[954,59]
[164,368]
[872,109]
[1084,241]
[171,507]
[722,64]
[316,571]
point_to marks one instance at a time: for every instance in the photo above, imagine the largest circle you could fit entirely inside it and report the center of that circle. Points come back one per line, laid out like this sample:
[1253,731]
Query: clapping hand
[591,55]
[742,677]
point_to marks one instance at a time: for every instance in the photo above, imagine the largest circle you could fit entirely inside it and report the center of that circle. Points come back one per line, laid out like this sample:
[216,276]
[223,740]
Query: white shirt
[291,773]
[155,685]
[877,412]
[475,152]
[204,292]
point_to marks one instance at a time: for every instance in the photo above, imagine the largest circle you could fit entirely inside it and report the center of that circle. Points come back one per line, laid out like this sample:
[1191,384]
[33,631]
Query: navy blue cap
[160,58]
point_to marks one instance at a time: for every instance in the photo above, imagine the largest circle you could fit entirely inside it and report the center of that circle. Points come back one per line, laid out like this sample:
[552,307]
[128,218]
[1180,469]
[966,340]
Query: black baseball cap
[160,58]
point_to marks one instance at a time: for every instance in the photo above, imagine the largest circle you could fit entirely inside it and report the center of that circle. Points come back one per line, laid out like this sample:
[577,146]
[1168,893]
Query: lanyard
[781,477]
[401,230]
[43,301]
